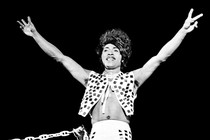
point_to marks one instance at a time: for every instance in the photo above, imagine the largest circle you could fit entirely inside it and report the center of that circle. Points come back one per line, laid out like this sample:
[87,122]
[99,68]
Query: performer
[109,96]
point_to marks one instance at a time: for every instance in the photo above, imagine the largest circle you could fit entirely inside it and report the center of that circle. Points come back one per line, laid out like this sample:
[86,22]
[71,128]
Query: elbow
[59,58]
[162,58]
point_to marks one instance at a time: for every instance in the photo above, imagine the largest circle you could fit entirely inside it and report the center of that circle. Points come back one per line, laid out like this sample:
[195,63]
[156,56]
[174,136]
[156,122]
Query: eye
[105,50]
[116,50]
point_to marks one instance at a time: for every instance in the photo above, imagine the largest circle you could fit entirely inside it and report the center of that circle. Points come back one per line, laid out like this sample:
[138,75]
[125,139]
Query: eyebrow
[108,47]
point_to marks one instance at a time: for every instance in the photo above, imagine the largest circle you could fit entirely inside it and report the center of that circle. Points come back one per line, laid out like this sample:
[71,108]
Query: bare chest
[110,109]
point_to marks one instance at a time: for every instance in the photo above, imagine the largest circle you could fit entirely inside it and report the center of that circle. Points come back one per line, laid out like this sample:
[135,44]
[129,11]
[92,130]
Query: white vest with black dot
[122,85]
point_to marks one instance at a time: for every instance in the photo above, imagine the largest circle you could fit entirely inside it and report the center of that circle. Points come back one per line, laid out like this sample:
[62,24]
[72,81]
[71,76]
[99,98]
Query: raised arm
[74,68]
[143,73]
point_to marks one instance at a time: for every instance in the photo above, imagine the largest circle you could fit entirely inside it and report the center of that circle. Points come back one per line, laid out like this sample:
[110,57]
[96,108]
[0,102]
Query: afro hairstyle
[118,38]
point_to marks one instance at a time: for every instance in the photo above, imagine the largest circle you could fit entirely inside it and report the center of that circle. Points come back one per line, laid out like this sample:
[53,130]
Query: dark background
[39,96]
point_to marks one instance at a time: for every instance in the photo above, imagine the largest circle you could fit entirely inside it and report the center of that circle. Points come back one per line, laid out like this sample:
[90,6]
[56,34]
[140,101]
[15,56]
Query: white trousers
[110,130]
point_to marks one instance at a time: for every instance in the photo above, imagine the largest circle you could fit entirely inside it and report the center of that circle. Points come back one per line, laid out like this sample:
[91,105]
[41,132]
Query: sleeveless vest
[122,85]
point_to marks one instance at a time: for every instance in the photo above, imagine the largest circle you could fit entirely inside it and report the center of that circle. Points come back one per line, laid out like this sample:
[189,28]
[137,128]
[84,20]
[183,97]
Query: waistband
[112,124]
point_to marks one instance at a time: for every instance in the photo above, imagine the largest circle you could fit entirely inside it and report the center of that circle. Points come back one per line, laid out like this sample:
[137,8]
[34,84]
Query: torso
[113,110]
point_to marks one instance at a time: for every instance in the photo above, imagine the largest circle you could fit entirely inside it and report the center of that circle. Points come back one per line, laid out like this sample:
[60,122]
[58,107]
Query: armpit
[86,81]
[136,84]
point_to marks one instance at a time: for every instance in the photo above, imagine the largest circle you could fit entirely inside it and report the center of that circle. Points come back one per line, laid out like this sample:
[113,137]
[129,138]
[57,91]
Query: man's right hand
[28,28]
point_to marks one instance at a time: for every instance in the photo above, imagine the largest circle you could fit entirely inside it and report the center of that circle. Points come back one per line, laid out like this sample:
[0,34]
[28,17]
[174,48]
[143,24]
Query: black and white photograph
[105,74]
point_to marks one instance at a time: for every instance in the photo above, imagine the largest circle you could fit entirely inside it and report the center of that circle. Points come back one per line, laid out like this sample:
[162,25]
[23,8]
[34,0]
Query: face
[111,56]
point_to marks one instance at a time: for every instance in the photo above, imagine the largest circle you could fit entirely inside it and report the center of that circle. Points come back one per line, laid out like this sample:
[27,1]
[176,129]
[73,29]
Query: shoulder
[138,76]
[131,76]
[92,75]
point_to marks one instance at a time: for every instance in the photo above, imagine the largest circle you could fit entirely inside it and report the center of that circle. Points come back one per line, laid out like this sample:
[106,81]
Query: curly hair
[118,38]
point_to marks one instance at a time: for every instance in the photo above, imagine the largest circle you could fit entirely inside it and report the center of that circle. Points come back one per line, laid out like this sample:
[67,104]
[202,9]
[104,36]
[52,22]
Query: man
[109,97]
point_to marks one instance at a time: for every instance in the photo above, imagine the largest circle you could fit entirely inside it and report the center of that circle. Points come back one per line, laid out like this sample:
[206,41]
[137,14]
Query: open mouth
[110,58]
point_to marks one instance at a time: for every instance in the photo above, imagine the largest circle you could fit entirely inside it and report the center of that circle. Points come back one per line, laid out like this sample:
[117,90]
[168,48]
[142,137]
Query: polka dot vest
[122,85]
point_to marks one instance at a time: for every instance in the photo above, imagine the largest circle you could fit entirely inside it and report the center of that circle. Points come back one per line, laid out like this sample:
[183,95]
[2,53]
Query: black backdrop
[40,96]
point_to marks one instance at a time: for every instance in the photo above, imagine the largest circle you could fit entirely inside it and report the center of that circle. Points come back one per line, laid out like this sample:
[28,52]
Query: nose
[110,52]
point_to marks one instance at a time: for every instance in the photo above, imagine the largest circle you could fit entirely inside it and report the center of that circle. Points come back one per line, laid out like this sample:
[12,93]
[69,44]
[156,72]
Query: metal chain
[62,133]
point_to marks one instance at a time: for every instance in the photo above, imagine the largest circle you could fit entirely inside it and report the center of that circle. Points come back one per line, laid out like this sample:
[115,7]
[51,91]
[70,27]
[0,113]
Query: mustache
[110,57]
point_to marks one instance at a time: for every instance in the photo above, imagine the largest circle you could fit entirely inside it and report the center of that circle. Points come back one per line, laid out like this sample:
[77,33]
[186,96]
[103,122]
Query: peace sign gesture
[191,23]
[28,28]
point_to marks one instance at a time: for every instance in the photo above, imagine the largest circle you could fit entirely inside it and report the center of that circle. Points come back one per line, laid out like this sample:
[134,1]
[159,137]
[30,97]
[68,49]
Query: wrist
[35,33]
[183,31]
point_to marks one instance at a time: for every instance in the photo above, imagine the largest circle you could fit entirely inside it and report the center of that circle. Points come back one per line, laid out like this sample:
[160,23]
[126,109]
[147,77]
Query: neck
[111,71]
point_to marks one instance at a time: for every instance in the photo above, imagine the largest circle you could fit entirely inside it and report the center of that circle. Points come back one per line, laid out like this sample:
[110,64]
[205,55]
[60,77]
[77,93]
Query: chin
[111,67]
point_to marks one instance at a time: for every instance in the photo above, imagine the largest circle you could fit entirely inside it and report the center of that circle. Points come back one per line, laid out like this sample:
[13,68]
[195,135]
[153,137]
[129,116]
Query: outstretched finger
[190,13]
[197,17]
[21,25]
[29,19]
[23,22]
